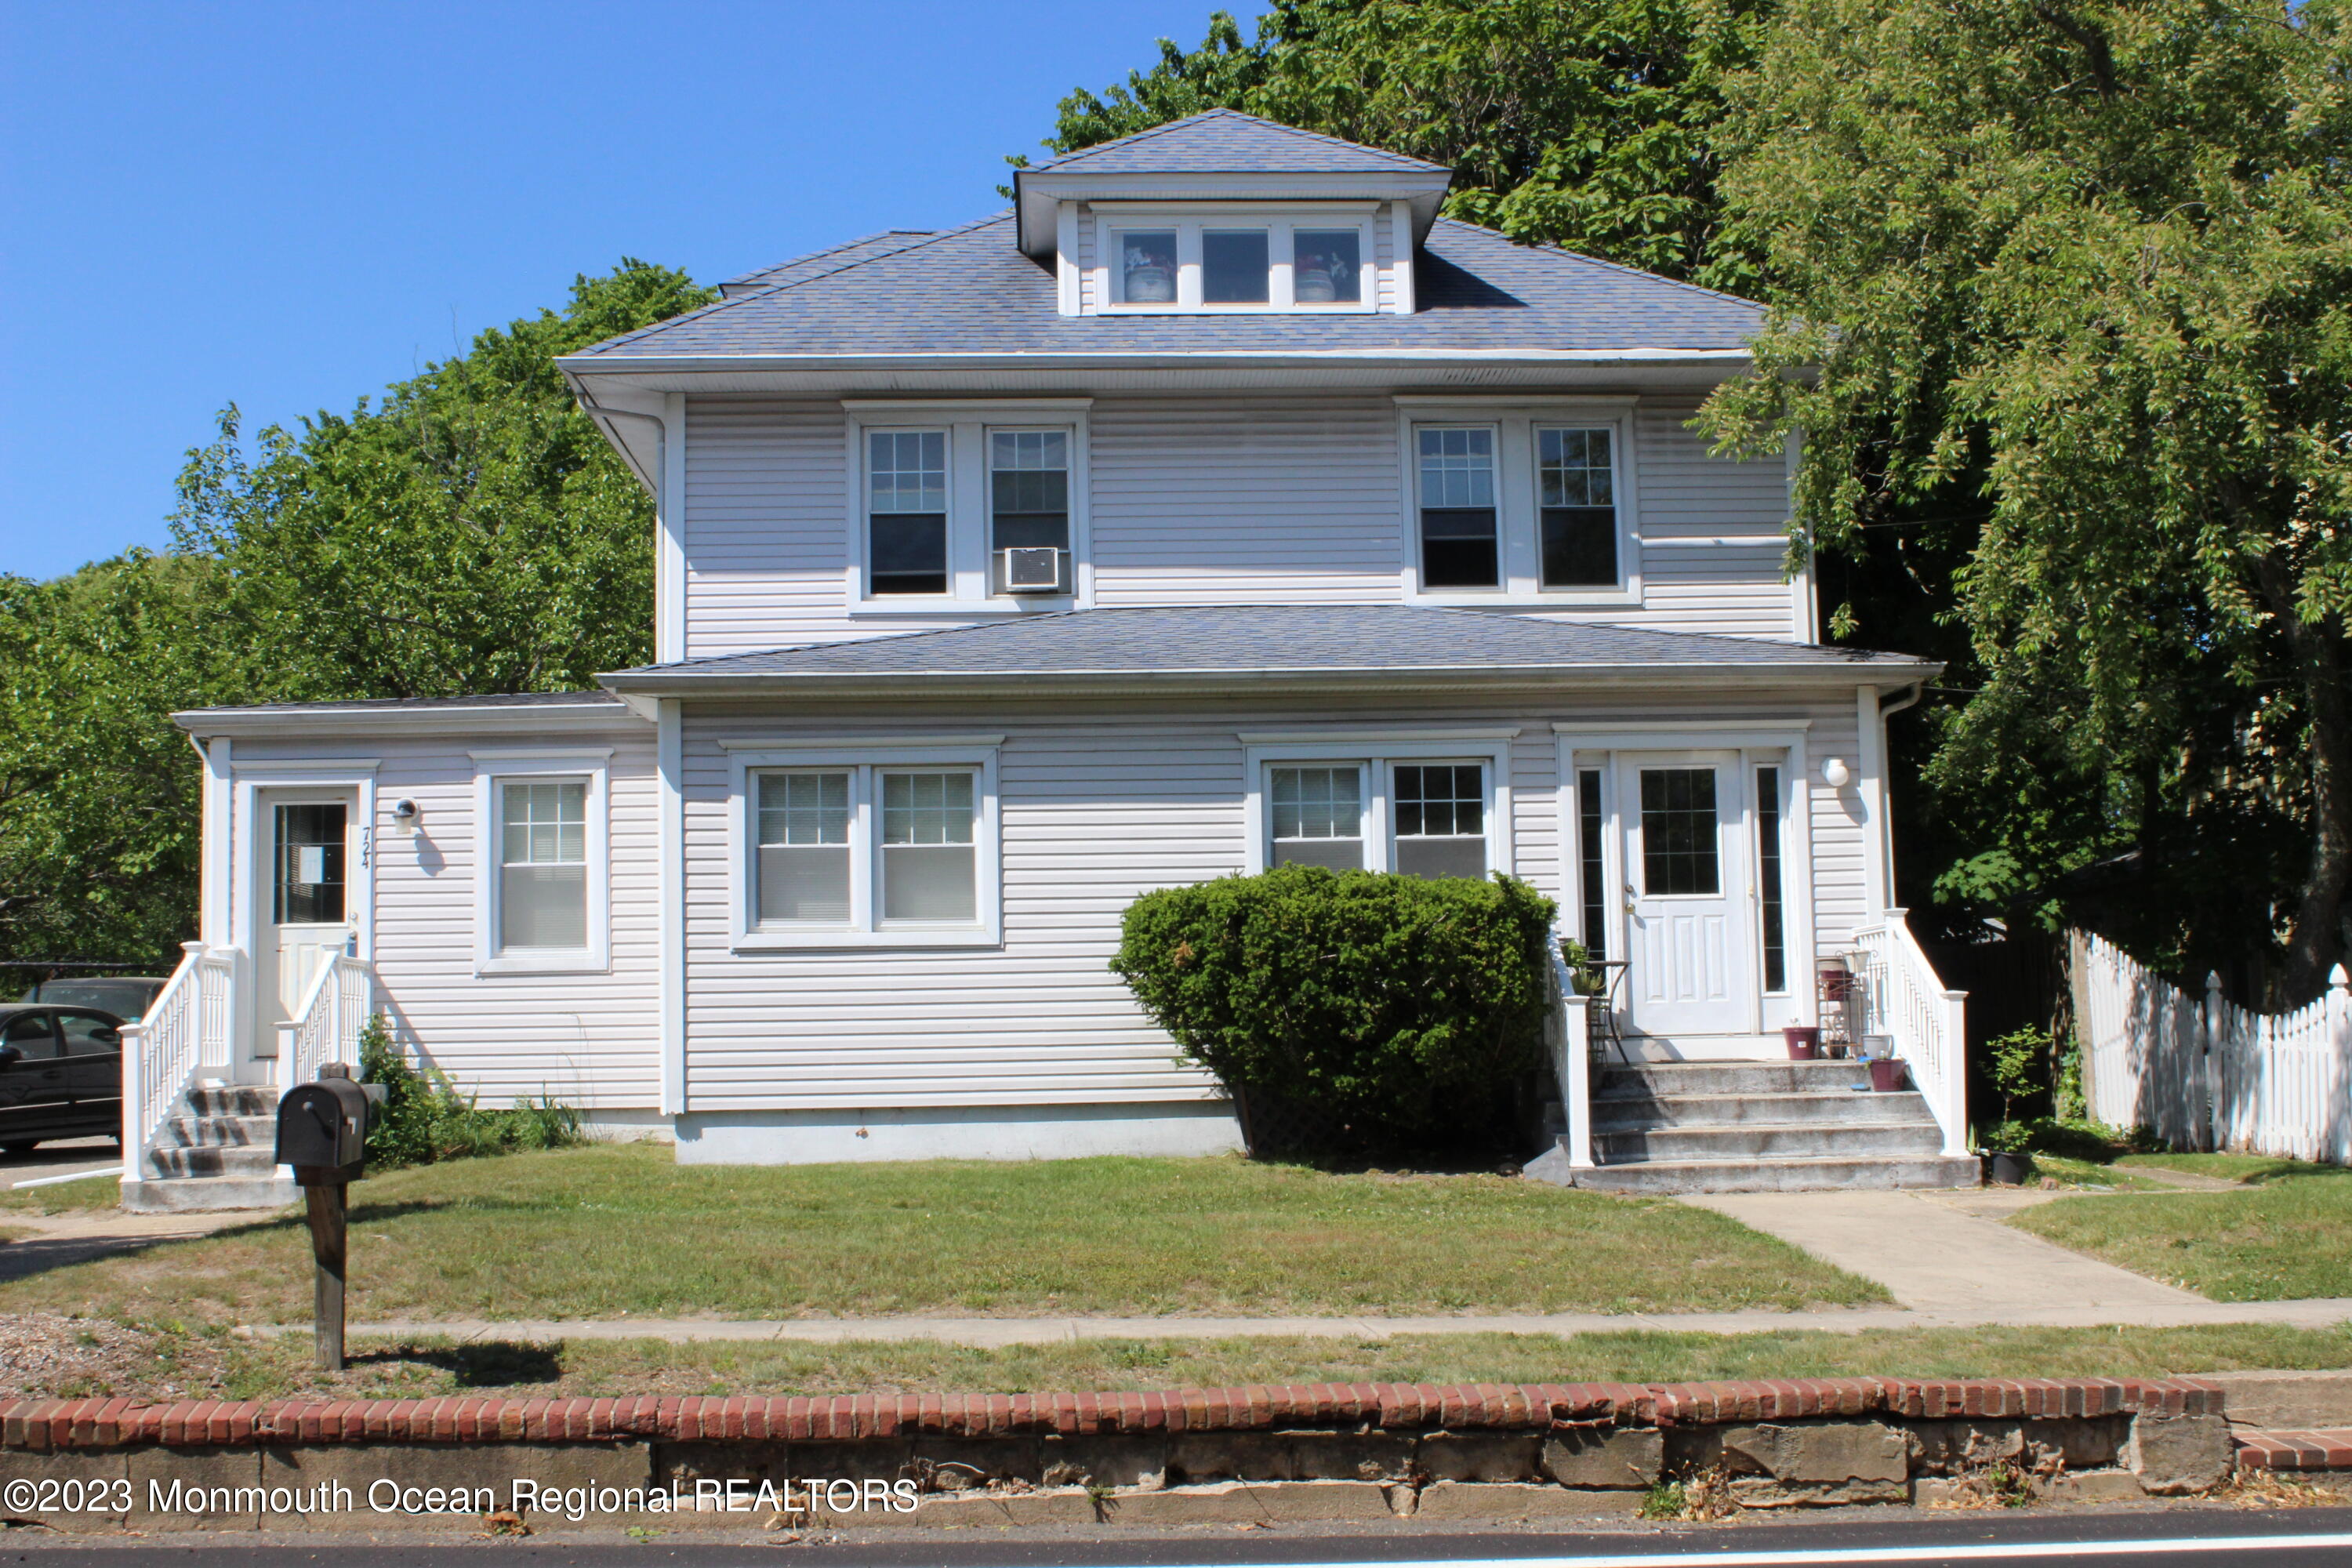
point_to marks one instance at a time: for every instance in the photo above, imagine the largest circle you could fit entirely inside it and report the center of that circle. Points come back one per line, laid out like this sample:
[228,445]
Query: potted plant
[1150,274]
[1803,1040]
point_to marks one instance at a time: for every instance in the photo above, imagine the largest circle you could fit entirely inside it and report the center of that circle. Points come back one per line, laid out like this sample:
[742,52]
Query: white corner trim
[669,844]
[860,744]
[1388,740]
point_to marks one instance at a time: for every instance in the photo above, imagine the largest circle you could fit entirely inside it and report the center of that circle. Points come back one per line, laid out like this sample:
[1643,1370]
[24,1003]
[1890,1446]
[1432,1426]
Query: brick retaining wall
[50,1424]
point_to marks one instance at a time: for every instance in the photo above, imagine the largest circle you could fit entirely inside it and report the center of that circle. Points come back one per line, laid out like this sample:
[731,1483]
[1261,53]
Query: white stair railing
[1568,1031]
[326,1027]
[1904,1001]
[183,1033]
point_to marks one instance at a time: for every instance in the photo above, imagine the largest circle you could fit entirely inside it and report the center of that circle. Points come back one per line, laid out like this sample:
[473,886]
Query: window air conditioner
[1034,569]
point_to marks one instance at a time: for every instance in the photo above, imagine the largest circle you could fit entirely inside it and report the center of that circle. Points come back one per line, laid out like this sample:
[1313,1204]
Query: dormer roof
[1223,154]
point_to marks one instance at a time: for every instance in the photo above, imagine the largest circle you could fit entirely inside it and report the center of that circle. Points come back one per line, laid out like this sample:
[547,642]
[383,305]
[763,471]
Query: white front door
[306,849]
[1686,894]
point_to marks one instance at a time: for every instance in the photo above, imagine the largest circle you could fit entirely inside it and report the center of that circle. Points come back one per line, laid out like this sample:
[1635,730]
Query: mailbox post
[322,1132]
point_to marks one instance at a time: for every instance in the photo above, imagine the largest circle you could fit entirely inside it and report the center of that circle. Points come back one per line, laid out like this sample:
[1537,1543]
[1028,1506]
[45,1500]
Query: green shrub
[1410,1009]
[423,1118]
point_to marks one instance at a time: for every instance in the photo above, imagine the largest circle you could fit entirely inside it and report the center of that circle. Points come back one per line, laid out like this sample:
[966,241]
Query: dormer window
[1159,258]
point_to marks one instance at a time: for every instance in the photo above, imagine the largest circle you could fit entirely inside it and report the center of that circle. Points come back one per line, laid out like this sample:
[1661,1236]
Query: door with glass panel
[1687,895]
[307,858]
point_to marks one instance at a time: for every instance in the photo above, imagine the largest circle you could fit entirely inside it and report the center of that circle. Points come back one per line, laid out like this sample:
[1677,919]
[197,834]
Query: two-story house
[1219,505]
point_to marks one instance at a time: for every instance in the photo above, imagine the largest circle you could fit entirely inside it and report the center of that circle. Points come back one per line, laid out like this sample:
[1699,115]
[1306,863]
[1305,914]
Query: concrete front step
[219,1132]
[190,1194]
[232,1099]
[214,1161]
[1843,1107]
[1731,1078]
[1621,1143]
[1873,1173]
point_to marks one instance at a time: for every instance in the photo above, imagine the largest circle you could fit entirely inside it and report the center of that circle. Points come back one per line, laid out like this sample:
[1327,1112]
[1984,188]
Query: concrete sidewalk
[1944,1253]
[991,1334]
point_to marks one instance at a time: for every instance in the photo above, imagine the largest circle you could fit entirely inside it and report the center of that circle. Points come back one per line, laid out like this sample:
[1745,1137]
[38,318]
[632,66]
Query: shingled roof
[970,291]
[1226,141]
[816,263]
[1263,641]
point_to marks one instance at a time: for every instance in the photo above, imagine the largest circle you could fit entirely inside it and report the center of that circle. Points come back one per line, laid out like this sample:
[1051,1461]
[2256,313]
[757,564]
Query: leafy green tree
[2075,275]
[1584,123]
[98,790]
[472,533]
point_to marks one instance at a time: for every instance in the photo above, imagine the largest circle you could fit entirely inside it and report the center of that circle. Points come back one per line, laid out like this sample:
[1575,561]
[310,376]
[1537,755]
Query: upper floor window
[967,503]
[1527,503]
[1158,260]
[907,498]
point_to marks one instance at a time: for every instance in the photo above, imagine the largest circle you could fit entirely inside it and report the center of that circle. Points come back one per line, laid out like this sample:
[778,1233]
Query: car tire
[21,1146]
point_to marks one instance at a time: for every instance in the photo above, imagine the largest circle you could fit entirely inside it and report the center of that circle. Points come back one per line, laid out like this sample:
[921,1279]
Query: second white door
[1687,895]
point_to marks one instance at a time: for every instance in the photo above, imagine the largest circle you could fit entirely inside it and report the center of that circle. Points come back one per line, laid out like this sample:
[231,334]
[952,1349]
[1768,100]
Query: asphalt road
[2212,1538]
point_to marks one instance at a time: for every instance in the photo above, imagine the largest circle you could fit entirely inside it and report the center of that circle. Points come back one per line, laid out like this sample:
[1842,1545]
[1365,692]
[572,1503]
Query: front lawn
[608,1231]
[2256,1168]
[168,1364]
[2288,1237]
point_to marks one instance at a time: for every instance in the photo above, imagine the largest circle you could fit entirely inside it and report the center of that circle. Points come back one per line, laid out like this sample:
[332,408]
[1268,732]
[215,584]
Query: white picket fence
[2205,1073]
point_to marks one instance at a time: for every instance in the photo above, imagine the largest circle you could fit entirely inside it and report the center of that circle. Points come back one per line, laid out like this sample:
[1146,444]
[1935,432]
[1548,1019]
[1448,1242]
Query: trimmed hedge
[1408,1009]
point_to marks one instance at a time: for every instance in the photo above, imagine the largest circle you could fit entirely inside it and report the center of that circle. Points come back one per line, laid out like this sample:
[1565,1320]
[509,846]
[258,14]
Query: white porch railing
[1904,1001]
[184,1032]
[2207,1073]
[326,1027]
[1567,1033]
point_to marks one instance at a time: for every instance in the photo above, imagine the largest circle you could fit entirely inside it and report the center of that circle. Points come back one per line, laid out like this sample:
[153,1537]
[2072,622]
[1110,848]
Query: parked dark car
[60,1074]
[126,996]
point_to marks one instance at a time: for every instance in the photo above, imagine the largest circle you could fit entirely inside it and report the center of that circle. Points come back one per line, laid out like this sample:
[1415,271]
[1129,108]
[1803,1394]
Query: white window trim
[1188,220]
[864,929]
[490,770]
[1517,517]
[1378,758]
[970,571]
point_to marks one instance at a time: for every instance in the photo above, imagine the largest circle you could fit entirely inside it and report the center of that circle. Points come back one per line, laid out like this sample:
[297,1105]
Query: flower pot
[1887,1074]
[2007,1170]
[1313,286]
[1150,286]
[1803,1040]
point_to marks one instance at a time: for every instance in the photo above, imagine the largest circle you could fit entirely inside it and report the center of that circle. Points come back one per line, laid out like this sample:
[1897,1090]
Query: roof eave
[1037,193]
[1883,673]
[576,365]
[534,719]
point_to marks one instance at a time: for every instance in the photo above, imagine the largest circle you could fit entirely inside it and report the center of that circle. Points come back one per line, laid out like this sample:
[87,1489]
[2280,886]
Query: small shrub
[1408,1009]
[423,1118]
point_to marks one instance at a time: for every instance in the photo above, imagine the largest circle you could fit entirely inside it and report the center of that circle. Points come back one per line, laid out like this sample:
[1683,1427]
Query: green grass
[280,1367]
[2087,1173]
[2287,1239]
[91,1193]
[2253,1168]
[612,1230]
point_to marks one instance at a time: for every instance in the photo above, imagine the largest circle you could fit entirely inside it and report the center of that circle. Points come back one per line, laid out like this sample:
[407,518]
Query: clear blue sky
[289,205]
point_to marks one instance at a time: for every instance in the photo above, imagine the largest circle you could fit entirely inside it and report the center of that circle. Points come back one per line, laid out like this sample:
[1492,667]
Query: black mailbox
[323,1129]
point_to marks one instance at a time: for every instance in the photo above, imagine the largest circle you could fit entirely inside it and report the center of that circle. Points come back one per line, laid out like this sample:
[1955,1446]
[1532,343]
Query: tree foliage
[469,533]
[1583,123]
[2081,270]
[472,533]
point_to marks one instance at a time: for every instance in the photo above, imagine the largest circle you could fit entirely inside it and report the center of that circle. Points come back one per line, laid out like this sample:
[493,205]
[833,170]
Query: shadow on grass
[477,1364]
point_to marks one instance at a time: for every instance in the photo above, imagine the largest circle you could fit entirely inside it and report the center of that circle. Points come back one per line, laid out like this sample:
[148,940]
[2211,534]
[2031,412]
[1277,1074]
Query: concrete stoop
[1484,1452]
[215,1153]
[1755,1126]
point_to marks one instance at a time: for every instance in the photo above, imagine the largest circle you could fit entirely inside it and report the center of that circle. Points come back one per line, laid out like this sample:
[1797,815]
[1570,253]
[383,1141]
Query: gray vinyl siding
[1200,498]
[1098,806]
[590,1040]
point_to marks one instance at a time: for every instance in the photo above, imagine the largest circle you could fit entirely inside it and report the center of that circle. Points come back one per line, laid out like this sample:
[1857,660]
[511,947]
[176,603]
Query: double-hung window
[1424,808]
[843,850]
[907,511]
[977,505]
[1528,502]
[541,896]
[1458,544]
